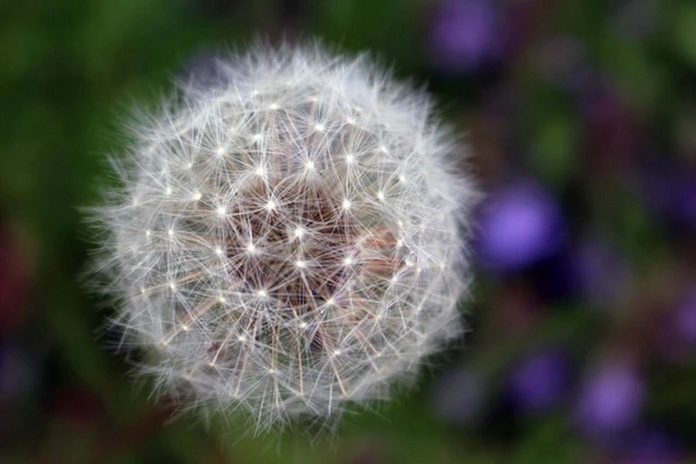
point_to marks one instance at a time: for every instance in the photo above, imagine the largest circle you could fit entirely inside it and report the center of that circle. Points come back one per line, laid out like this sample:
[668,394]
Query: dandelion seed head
[285,268]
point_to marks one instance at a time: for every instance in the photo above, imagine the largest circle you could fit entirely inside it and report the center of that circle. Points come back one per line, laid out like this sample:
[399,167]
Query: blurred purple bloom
[519,225]
[611,399]
[458,396]
[465,34]
[540,381]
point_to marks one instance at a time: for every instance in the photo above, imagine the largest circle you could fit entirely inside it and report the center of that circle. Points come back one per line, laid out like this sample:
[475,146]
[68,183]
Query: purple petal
[519,225]
[611,399]
[540,381]
[464,34]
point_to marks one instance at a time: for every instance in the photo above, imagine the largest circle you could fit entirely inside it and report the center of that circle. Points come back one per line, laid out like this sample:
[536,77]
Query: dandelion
[297,243]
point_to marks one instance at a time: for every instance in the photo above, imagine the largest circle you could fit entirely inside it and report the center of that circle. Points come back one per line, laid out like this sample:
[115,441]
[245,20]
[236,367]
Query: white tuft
[309,263]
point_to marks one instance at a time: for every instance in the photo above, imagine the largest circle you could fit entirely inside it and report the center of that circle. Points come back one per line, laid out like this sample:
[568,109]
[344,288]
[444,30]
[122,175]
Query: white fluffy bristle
[290,240]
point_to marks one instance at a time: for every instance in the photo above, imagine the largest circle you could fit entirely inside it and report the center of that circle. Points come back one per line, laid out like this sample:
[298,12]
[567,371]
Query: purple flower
[458,396]
[540,381]
[518,225]
[611,399]
[465,34]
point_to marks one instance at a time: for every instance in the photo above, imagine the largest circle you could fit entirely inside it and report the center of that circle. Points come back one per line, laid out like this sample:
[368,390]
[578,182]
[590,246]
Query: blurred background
[581,117]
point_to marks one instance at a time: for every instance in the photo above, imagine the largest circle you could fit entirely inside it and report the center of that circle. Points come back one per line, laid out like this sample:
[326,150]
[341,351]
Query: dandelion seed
[279,297]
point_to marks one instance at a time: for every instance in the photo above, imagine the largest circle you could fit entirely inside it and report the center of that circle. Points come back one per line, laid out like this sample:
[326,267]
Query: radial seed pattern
[289,240]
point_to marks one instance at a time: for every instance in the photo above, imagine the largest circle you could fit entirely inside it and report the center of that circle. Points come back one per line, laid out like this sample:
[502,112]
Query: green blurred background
[581,117]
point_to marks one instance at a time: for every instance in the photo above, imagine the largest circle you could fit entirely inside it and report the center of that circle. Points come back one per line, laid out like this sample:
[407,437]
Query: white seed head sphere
[290,240]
